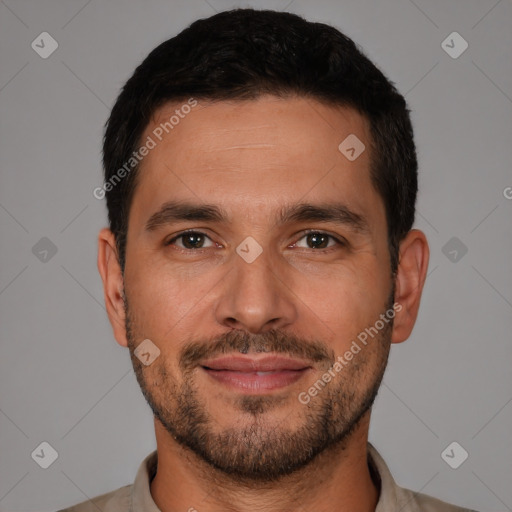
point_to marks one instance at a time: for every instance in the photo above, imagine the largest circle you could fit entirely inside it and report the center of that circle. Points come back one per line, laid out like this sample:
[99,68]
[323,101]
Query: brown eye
[191,240]
[319,240]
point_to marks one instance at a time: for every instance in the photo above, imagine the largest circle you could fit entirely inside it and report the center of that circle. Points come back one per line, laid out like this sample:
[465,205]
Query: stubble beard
[256,448]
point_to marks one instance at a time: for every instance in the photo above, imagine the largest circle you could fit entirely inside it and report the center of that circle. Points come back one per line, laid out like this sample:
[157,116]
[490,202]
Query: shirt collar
[392,497]
[142,501]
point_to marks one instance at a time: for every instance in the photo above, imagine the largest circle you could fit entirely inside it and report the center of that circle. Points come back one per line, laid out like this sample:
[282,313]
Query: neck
[338,480]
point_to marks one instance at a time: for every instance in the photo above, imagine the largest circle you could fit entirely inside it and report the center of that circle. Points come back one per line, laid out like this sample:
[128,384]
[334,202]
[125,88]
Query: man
[261,178]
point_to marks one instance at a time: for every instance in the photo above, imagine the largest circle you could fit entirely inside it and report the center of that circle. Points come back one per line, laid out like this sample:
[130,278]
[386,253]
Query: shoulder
[418,502]
[114,501]
[394,497]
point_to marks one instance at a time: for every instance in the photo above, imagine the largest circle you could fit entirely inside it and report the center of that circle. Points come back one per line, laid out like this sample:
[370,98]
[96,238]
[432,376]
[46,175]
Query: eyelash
[339,242]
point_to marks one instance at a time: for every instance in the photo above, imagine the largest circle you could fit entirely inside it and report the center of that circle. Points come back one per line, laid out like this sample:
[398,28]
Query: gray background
[63,378]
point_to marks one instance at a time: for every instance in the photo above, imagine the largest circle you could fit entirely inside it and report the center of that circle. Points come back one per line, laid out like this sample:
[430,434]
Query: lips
[249,365]
[254,376]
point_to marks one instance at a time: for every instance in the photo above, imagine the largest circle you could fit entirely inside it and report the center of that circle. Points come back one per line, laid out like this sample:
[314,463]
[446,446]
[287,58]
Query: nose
[256,296]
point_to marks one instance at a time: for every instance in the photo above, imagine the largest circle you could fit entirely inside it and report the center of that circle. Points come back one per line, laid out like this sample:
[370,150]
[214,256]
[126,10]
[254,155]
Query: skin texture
[220,449]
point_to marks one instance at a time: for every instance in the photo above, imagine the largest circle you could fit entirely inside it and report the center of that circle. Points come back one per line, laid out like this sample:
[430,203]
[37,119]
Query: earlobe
[113,284]
[410,278]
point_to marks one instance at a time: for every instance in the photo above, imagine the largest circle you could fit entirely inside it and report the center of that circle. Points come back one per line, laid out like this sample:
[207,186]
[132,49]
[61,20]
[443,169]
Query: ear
[113,283]
[411,275]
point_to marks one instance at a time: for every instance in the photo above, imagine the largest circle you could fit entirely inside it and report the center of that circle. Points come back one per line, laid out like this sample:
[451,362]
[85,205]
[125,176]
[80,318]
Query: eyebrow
[338,213]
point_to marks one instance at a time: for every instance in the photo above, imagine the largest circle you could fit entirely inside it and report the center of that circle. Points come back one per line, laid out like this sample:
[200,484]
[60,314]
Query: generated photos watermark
[342,361]
[151,142]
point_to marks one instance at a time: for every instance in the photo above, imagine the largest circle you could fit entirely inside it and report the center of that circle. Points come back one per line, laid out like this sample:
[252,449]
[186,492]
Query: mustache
[244,342]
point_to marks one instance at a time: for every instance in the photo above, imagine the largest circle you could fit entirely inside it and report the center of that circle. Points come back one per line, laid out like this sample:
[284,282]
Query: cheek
[165,302]
[343,302]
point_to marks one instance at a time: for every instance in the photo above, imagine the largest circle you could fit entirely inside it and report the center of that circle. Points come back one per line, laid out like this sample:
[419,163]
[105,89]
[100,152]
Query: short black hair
[244,54]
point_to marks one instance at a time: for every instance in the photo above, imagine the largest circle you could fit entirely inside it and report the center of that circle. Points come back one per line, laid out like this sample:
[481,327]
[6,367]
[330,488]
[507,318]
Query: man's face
[255,284]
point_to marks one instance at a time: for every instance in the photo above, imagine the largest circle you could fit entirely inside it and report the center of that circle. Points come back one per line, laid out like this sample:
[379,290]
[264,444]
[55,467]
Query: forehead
[303,125]
[253,153]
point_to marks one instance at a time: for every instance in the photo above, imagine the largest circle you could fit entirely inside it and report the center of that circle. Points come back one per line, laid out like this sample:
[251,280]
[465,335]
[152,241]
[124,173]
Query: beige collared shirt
[137,497]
